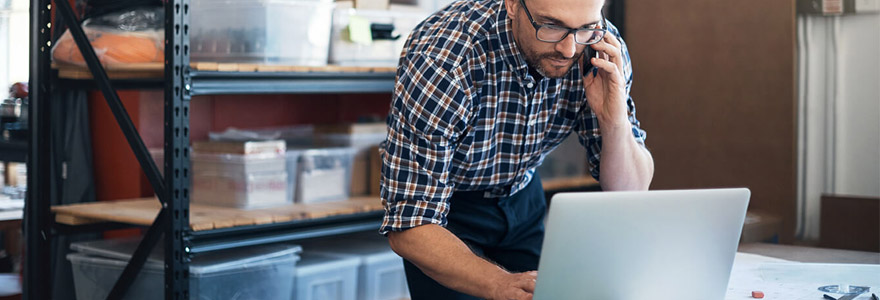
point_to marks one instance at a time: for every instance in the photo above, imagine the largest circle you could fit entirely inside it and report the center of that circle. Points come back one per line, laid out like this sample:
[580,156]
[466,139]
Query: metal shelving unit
[213,83]
[180,83]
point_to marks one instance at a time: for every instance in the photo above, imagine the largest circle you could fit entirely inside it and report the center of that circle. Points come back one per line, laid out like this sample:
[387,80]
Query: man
[485,89]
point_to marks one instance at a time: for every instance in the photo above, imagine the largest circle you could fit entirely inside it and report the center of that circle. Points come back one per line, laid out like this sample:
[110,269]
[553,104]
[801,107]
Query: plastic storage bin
[240,181]
[291,32]
[380,273]
[325,277]
[264,272]
[253,191]
[234,164]
[379,53]
[321,174]
[360,166]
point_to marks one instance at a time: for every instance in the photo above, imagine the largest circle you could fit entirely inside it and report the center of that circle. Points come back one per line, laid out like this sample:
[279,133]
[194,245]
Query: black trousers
[508,231]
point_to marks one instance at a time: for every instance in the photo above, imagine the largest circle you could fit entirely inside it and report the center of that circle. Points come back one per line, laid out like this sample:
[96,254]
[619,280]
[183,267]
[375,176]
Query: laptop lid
[676,244]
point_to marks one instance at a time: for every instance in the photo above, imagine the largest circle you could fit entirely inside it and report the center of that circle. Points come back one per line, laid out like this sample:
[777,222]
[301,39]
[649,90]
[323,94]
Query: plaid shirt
[466,115]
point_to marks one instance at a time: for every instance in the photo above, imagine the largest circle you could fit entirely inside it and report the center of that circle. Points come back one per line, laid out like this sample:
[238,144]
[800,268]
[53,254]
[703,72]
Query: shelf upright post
[37,218]
[177,161]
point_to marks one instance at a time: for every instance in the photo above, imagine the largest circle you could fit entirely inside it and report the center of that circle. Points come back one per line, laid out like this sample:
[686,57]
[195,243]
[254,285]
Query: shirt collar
[509,49]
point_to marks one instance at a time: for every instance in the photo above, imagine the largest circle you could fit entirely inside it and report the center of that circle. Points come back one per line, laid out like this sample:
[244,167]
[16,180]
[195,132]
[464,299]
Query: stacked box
[321,175]
[239,181]
[246,175]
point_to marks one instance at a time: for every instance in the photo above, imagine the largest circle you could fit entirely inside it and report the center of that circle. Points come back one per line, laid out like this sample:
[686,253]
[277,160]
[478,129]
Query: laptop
[676,244]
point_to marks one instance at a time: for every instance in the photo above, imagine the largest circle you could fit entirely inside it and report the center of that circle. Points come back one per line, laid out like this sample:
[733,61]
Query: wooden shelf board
[555,184]
[205,217]
[156,70]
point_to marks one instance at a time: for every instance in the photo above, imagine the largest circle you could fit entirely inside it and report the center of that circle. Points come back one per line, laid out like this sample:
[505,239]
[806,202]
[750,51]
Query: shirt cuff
[405,214]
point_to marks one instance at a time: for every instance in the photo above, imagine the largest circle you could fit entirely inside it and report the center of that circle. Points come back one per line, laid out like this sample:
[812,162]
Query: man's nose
[567,47]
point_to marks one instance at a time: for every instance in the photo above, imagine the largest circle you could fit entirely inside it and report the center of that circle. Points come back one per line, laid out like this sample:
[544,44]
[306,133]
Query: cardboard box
[240,147]
[375,171]
[360,174]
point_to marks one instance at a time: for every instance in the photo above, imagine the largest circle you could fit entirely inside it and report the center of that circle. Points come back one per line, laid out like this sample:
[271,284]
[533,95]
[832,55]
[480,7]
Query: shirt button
[530,85]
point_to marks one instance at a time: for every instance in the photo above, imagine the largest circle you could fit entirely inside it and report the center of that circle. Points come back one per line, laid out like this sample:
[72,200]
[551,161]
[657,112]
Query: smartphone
[588,53]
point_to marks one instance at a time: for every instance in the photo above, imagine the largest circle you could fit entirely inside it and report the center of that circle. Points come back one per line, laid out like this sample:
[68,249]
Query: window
[14,47]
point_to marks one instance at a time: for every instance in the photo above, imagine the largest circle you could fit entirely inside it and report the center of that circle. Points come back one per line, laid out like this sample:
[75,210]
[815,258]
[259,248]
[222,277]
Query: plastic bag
[130,36]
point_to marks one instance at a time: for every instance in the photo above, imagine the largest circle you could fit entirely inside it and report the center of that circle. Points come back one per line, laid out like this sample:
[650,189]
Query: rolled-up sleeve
[587,126]
[428,113]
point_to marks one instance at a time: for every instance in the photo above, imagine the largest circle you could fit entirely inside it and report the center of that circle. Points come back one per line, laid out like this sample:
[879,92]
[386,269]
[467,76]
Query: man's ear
[512,7]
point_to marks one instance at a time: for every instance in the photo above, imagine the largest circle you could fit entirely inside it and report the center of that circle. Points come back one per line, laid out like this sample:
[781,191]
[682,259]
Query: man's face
[552,60]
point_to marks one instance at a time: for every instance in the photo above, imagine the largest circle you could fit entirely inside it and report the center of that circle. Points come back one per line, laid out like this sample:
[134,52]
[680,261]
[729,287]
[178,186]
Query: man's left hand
[606,90]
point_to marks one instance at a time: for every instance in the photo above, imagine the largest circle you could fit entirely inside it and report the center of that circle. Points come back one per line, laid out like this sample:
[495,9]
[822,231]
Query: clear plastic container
[360,168]
[252,191]
[263,272]
[290,32]
[381,52]
[380,273]
[321,174]
[236,165]
[326,277]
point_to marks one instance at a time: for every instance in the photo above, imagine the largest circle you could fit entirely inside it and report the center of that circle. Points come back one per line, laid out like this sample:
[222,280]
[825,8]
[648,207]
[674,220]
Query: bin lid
[312,262]
[369,247]
[211,262]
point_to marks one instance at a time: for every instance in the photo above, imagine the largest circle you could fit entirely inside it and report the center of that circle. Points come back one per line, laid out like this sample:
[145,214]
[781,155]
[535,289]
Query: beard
[535,60]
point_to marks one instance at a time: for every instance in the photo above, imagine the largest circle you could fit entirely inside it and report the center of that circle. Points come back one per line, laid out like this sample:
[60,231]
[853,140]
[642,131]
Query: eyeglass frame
[538,27]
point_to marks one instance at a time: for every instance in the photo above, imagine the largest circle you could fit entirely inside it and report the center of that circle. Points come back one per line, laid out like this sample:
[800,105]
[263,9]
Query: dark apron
[508,231]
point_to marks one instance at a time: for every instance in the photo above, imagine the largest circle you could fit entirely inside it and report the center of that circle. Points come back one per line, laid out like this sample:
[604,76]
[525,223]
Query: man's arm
[626,163]
[445,258]
[417,156]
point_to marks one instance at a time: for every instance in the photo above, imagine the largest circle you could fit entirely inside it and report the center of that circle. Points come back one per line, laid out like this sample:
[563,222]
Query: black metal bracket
[59,229]
[37,218]
[177,163]
[221,239]
[228,83]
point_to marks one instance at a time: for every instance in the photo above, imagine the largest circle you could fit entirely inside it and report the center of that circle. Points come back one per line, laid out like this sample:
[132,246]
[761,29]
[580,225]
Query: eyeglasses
[554,34]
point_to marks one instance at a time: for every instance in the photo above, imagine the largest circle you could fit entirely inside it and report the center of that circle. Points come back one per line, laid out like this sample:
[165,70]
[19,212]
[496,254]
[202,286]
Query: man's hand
[515,286]
[445,258]
[606,90]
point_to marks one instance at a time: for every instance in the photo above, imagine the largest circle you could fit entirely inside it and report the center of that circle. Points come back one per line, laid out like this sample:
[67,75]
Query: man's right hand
[445,258]
[515,286]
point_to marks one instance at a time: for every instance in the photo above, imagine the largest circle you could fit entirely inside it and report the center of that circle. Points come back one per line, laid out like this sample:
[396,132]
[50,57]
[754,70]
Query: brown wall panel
[715,89]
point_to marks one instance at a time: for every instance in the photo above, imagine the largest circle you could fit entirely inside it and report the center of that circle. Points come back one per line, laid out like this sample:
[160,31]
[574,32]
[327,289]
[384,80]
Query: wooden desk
[811,254]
